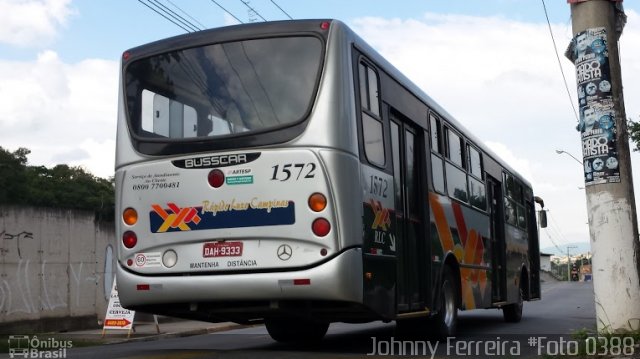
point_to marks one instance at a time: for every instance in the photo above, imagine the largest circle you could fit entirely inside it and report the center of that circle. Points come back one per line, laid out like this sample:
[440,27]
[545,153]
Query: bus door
[410,243]
[534,253]
[498,255]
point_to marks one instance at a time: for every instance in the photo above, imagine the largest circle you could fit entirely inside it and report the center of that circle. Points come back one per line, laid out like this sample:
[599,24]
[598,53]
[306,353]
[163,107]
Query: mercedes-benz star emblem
[284,252]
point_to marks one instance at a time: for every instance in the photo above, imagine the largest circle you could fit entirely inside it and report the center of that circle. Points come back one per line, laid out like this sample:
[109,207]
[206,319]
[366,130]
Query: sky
[491,64]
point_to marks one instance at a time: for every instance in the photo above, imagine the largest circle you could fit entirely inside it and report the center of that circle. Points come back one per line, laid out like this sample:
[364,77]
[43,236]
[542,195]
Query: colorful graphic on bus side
[467,245]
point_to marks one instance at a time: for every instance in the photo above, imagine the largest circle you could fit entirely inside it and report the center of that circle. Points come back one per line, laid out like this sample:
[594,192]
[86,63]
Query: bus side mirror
[542,217]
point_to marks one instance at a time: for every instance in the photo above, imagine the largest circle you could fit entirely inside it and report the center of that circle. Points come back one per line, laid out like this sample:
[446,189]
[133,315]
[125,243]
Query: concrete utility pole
[613,228]
[569,263]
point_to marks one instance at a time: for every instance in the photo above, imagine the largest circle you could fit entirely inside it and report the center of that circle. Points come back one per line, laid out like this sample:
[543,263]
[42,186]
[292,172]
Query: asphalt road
[564,309]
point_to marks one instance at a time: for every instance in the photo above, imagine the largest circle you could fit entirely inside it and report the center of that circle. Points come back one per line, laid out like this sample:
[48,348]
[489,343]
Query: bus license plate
[222,249]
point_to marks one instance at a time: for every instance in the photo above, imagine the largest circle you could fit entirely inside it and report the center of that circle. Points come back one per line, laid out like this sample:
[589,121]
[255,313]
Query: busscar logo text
[220,160]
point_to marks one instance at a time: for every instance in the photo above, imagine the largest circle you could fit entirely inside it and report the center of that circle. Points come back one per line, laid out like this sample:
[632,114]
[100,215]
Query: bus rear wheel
[512,313]
[445,323]
[296,330]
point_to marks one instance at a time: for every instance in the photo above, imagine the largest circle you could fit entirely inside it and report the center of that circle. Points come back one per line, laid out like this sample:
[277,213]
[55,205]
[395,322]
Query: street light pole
[567,153]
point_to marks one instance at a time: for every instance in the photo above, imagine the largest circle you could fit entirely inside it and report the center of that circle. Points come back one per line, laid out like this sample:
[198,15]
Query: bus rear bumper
[339,279]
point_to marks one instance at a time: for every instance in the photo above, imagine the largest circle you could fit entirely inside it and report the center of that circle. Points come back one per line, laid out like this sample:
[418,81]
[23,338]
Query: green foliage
[60,187]
[13,175]
[634,133]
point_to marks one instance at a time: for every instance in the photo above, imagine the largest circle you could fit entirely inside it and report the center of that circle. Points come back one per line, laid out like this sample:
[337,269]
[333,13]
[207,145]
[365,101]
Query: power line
[552,241]
[227,11]
[164,16]
[175,16]
[557,227]
[186,14]
[246,3]
[281,9]
[559,63]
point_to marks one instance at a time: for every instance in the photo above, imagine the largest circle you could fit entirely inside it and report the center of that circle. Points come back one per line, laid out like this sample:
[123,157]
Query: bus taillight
[321,227]
[317,202]
[216,178]
[129,239]
[130,216]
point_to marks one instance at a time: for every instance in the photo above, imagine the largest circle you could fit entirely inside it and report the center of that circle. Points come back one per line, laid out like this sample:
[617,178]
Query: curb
[180,334]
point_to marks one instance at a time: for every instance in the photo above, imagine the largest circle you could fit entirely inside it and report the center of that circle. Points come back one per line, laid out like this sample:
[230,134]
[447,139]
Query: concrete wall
[56,268]
[545,262]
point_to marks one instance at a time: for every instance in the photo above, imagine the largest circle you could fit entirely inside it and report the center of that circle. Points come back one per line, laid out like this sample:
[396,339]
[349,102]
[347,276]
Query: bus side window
[454,147]
[475,162]
[437,168]
[372,128]
[477,191]
[163,116]
[456,176]
[373,139]
[436,141]
[514,202]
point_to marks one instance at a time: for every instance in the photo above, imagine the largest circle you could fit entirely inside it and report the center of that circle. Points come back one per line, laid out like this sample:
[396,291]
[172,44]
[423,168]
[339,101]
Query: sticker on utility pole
[597,113]
[117,317]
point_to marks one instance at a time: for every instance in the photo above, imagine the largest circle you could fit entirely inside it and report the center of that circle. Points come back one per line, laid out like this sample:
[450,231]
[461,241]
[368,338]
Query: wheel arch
[451,261]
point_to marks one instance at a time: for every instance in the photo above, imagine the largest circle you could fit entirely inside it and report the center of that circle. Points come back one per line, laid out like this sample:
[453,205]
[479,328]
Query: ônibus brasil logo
[24,346]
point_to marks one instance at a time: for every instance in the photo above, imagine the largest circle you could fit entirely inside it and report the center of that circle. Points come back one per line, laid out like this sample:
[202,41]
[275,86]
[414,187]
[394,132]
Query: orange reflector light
[302,282]
[317,202]
[130,216]
[321,227]
[142,287]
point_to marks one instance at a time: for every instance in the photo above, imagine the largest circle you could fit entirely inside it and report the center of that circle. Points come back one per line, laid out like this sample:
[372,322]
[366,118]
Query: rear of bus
[237,194]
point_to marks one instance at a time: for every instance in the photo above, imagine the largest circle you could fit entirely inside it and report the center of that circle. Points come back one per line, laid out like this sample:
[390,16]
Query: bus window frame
[437,154]
[519,203]
[163,146]
[473,177]
[471,147]
[446,129]
[361,111]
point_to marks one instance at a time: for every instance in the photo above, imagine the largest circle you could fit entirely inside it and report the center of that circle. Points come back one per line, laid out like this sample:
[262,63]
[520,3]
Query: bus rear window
[223,89]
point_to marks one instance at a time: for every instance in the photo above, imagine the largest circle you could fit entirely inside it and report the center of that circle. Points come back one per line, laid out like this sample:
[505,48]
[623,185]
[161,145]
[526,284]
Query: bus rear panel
[233,220]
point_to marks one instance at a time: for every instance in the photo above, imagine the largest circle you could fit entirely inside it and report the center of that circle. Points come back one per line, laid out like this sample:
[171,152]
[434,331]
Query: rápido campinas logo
[24,346]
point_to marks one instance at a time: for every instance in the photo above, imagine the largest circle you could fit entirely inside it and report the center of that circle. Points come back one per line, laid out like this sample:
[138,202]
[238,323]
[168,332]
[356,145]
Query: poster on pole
[117,317]
[597,113]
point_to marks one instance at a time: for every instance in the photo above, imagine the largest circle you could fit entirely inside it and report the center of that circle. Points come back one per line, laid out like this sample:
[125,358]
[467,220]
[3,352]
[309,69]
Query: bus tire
[445,322]
[513,312]
[296,330]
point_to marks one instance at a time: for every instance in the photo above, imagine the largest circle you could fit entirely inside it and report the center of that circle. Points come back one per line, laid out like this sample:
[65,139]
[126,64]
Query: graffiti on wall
[6,236]
[46,273]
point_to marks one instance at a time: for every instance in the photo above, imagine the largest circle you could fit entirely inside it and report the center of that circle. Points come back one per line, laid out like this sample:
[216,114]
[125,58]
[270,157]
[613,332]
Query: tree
[634,133]
[13,176]
[61,186]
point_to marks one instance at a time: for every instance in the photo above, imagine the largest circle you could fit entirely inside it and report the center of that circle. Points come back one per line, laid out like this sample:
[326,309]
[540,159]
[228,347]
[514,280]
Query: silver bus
[286,173]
